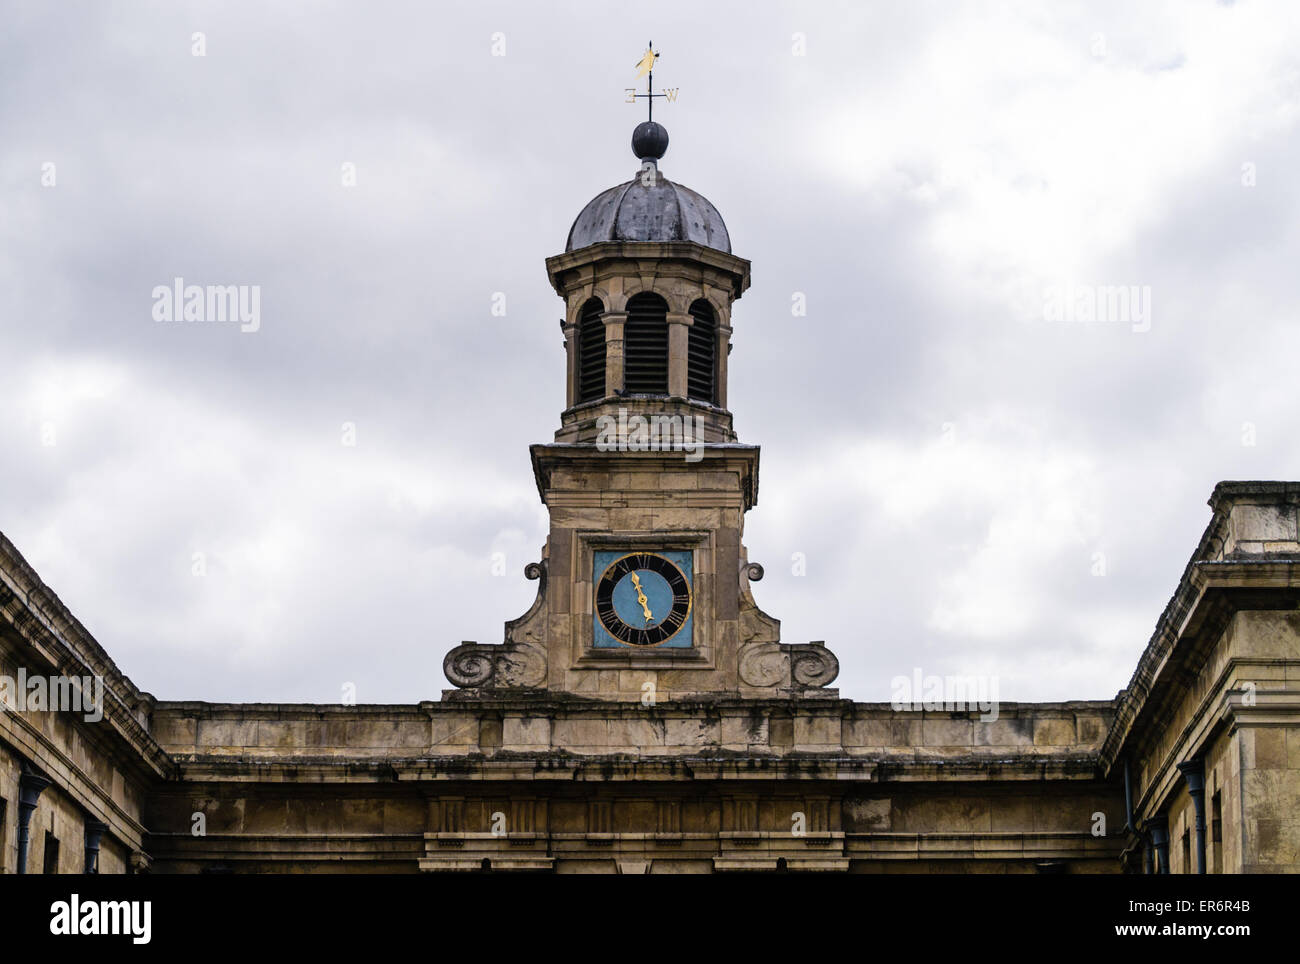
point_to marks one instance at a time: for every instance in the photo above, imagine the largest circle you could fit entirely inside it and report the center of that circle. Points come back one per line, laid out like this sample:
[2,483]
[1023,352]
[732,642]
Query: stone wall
[530,780]
[1219,685]
[100,760]
[572,786]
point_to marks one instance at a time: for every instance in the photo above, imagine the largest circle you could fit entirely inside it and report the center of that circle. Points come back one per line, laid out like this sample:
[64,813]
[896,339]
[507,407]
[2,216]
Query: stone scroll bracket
[519,662]
[795,669]
[811,664]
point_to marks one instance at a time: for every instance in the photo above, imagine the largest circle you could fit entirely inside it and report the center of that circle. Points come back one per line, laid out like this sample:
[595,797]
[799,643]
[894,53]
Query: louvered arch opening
[591,352]
[645,345]
[701,354]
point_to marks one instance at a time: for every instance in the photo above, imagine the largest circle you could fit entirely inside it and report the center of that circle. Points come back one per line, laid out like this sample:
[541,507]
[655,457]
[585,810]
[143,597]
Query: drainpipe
[1193,772]
[1160,840]
[1128,800]
[1131,825]
[30,786]
[95,830]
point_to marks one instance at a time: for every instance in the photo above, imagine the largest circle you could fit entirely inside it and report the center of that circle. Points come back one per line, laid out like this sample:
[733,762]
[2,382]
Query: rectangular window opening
[51,864]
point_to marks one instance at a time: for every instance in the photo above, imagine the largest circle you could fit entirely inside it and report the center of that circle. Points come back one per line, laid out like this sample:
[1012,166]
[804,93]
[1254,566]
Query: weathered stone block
[1054,731]
[694,732]
[526,731]
[943,731]
[1011,731]
[816,730]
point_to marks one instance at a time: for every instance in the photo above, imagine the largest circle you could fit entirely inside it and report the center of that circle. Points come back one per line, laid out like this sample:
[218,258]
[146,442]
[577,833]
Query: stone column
[678,340]
[722,351]
[571,363]
[614,322]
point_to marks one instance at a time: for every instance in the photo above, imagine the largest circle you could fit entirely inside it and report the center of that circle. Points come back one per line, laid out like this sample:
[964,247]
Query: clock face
[642,599]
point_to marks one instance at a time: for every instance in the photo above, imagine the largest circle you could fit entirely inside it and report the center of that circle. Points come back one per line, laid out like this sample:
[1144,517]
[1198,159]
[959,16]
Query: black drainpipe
[1160,840]
[30,786]
[1131,825]
[1128,799]
[95,830]
[1193,772]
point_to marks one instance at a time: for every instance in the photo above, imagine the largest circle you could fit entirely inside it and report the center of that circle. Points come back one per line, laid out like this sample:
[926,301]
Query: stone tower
[644,585]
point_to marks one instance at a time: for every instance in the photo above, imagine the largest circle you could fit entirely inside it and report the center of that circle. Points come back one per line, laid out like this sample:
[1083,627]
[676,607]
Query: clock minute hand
[640,597]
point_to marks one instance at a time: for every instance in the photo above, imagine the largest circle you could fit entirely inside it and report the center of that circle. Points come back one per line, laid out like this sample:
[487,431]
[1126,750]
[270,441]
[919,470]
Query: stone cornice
[1043,845]
[537,739]
[738,268]
[1212,587]
[548,766]
[554,766]
[542,703]
[1226,494]
[42,623]
[19,733]
[1228,709]
[546,456]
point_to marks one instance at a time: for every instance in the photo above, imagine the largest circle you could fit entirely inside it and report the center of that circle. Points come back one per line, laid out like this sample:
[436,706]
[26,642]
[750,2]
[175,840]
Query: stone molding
[519,662]
[796,669]
[1246,545]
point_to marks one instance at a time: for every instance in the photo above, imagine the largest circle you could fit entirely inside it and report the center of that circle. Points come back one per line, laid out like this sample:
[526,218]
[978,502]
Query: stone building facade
[645,716]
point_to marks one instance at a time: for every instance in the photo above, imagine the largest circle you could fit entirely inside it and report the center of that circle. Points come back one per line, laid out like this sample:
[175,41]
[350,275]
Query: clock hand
[640,597]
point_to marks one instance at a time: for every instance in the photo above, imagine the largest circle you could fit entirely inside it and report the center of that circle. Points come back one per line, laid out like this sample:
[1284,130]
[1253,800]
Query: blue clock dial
[643,599]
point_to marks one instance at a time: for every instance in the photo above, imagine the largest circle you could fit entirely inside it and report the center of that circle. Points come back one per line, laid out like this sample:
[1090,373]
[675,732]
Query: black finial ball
[649,140]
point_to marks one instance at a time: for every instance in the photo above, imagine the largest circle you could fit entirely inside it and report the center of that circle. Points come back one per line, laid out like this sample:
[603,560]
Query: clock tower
[644,585]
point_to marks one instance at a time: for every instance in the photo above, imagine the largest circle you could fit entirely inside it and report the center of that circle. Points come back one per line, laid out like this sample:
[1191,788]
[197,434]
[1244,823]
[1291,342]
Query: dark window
[4,809]
[51,864]
[645,345]
[591,352]
[701,354]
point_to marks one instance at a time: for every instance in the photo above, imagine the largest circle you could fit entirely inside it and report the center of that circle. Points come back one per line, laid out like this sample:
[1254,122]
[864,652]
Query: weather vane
[646,67]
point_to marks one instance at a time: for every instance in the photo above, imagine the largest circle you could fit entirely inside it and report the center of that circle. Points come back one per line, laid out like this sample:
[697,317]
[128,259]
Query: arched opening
[591,351]
[645,345]
[701,354]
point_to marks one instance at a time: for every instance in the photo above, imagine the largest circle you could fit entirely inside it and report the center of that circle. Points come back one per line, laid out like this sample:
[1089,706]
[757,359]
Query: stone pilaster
[723,350]
[571,363]
[614,322]
[678,338]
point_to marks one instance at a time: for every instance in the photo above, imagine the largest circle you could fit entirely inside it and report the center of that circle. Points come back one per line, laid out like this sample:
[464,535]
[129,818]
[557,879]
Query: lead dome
[649,207]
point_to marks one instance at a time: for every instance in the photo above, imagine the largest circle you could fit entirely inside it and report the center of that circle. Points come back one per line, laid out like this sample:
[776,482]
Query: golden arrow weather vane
[646,68]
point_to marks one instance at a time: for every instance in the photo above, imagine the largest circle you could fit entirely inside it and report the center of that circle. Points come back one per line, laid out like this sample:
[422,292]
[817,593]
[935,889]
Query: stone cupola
[648,280]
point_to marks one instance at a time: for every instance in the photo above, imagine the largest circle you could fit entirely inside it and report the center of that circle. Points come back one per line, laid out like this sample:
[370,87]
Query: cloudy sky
[975,481]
